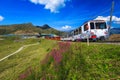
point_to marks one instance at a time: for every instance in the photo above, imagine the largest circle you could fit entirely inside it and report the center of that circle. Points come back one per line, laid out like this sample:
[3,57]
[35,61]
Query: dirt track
[21,48]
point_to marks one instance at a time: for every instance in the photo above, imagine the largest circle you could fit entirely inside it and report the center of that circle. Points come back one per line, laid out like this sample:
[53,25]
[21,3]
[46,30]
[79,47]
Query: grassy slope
[27,28]
[114,37]
[100,61]
[10,45]
[82,62]
[30,56]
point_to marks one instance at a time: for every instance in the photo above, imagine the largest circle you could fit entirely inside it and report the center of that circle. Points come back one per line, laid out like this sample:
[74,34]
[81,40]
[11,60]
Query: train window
[80,30]
[76,32]
[92,26]
[101,26]
[86,27]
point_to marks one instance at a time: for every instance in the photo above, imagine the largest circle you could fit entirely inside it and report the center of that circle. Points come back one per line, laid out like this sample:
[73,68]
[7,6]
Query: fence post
[87,40]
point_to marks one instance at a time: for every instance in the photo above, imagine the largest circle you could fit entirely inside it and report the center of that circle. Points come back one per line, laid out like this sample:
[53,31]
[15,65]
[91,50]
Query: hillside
[115,31]
[114,37]
[27,28]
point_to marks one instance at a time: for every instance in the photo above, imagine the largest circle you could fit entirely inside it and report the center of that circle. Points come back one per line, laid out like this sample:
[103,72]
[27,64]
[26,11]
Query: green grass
[10,45]
[82,62]
[11,68]
[101,60]
[78,62]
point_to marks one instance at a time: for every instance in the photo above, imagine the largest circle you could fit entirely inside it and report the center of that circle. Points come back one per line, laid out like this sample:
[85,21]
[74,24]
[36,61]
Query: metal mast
[111,13]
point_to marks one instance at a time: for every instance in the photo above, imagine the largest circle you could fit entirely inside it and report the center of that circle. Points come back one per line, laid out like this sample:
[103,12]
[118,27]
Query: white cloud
[103,18]
[117,22]
[34,1]
[66,27]
[1,18]
[53,5]
[114,18]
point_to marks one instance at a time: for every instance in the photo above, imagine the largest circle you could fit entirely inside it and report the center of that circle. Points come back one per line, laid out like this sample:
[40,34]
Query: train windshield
[92,25]
[101,25]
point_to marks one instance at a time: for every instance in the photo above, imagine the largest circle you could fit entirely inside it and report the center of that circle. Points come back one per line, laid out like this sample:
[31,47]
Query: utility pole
[111,13]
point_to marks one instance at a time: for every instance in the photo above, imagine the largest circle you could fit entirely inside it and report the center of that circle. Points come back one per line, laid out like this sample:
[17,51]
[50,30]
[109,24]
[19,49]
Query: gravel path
[21,48]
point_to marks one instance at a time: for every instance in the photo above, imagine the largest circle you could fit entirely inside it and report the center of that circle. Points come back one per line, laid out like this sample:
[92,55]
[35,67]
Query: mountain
[18,29]
[45,26]
[28,28]
[115,31]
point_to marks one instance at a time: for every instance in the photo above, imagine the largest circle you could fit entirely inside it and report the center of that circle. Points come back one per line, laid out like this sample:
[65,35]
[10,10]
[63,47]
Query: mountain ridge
[28,28]
[115,31]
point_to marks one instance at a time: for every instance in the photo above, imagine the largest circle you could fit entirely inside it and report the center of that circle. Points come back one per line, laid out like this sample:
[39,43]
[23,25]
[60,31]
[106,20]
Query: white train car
[93,30]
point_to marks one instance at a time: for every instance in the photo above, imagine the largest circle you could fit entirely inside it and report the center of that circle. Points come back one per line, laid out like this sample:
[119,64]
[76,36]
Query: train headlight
[105,32]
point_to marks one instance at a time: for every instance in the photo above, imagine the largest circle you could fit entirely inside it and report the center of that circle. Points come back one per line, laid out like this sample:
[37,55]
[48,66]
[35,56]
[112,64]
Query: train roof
[90,21]
[95,21]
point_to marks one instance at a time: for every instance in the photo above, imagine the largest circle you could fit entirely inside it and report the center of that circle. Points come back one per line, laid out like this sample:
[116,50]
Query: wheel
[102,38]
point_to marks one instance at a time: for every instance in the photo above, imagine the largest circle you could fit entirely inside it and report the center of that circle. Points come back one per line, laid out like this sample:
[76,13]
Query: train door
[92,29]
[86,31]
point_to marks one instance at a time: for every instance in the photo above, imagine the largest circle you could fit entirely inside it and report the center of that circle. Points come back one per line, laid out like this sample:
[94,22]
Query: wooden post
[88,42]
[87,39]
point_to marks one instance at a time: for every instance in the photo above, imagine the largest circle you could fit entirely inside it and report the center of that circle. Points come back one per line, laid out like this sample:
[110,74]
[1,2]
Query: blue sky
[59,14]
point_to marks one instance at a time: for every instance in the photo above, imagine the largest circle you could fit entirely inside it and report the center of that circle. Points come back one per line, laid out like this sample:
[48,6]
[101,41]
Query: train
[93,30]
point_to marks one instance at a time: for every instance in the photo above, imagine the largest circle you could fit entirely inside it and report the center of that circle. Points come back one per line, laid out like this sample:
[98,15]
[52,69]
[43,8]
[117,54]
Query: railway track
[106,42]
[109,42]
[101,42]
